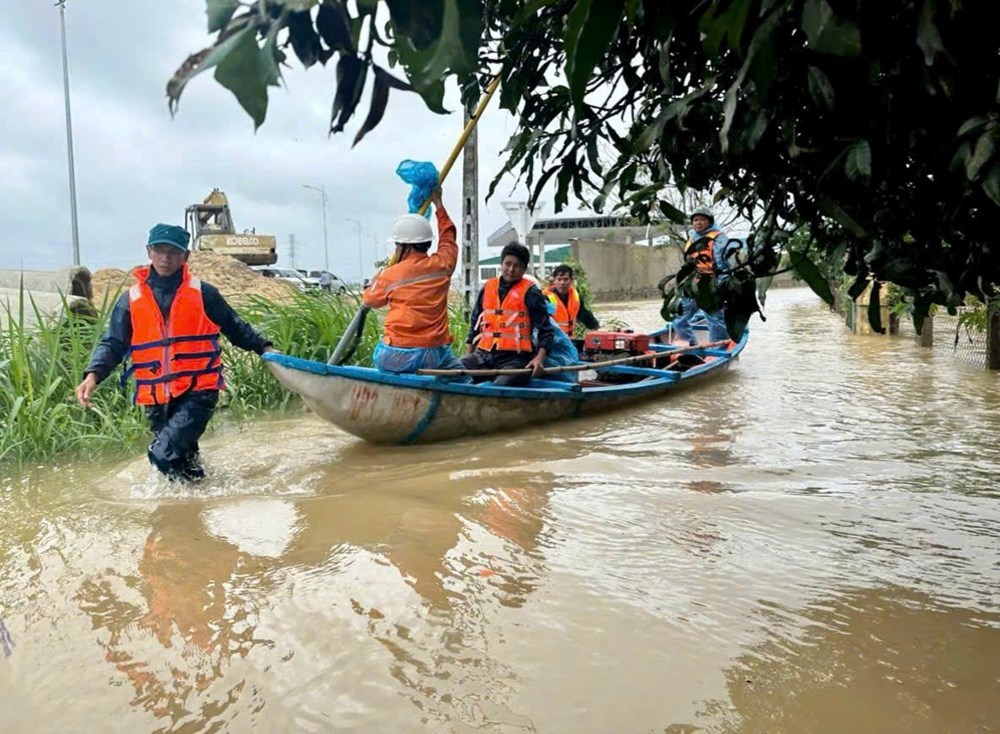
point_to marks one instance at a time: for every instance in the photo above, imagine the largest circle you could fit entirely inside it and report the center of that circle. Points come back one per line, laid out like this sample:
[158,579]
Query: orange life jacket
[505,326]
[703,259]
[566,313]
[171,358]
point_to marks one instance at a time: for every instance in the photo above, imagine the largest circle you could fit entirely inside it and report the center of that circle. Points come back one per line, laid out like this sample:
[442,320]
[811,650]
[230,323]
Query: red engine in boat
[621,343]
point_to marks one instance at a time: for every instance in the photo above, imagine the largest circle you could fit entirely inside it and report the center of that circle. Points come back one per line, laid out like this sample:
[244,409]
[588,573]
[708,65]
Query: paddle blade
[348,342]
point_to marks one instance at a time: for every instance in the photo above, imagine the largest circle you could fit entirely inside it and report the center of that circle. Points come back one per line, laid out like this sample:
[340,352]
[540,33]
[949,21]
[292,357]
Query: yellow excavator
[211,226]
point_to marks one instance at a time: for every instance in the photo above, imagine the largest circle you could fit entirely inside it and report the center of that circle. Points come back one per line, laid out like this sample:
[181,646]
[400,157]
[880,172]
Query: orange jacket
[505,326]
[566,313]
[416,291]
[704,259]
[173,357]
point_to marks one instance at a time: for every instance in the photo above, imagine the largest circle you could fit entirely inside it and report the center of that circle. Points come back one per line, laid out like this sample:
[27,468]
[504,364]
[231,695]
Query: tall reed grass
[41,364]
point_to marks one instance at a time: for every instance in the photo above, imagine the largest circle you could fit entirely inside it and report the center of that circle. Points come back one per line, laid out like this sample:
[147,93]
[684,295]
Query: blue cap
[169,234]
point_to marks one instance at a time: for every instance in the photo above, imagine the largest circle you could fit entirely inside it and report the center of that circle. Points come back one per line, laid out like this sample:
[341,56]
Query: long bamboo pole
[575,367]
[343,349]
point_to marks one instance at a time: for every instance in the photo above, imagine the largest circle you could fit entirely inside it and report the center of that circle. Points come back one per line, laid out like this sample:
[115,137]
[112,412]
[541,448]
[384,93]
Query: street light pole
[61,4]
[321,190]
[361,263]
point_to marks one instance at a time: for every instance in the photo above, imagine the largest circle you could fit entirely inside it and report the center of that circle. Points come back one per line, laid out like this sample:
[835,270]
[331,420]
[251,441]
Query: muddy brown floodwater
[809,544]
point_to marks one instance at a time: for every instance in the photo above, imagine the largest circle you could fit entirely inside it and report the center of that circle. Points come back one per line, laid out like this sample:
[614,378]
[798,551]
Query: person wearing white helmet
[705,249]
[415,289]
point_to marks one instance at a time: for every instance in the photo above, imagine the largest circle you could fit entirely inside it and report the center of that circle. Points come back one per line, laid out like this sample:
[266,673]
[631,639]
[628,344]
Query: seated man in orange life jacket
[509,310]
[168,326]
[568,302]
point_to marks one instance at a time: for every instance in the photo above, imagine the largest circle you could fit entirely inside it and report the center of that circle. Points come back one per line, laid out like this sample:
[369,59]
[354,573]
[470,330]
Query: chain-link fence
[962,336]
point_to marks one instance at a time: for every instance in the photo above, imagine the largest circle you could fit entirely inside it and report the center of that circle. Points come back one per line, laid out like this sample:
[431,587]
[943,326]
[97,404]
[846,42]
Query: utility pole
[321,190]
[291,249]
[61,4]
[470,217]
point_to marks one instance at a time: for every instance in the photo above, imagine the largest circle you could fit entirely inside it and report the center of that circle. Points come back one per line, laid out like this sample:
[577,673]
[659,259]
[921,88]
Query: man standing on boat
[568,302]
[509,310]
[706,249]
[416,289]
[168,326]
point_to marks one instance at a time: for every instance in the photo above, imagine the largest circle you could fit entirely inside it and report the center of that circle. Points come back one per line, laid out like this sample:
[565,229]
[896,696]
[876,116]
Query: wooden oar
[574,367]
[348,342]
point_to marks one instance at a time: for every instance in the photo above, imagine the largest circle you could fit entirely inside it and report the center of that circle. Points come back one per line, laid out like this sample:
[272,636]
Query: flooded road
[809,544]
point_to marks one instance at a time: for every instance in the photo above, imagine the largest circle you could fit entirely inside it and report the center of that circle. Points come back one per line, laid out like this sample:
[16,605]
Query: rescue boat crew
[569,305]
[706,249]
[510,326]
[168,325]
[416,288]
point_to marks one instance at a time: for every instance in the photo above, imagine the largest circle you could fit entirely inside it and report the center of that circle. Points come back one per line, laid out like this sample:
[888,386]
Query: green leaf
[814,278]
[875,308]
[833,210]
[859,161]
[827,32]
[196,63]
[671,212]
[243,74]
[566,171]
[380,98]
[859,286]
[351,74]
[706,293]
[981,154]
[219,12]
[664,65]
[991,184]
[304,38]
[973,123]
[590,28]
[820,88]
[453,50]
[334,26]
[928,37]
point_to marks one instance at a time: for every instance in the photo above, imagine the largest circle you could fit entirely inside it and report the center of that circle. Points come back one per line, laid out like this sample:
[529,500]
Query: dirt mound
[234,279]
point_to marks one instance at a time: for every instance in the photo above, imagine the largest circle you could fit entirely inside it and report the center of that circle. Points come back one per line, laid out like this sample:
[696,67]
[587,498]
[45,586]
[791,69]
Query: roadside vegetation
[41,364]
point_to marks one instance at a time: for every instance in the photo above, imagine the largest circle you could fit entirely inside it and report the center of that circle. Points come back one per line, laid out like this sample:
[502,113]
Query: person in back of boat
[706,249]
[416,288]
[167,325]
[510,326]
[568,303]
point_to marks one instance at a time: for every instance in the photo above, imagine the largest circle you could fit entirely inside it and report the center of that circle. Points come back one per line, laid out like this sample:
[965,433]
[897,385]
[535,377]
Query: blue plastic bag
[423,179]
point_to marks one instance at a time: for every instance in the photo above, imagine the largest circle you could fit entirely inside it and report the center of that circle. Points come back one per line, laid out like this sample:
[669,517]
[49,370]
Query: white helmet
[412,229]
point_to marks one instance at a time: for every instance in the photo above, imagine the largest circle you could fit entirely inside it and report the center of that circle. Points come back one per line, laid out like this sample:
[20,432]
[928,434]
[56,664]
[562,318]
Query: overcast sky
[135,166]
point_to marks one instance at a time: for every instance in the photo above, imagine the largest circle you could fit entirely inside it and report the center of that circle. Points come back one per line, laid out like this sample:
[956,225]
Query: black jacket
[115,343]
[585,317]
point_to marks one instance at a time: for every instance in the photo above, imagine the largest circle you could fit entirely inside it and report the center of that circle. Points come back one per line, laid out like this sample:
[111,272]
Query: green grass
[41,365]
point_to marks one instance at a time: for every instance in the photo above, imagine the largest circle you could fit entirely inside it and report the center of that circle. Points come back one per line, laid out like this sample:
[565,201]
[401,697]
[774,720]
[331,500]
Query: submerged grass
[41,364]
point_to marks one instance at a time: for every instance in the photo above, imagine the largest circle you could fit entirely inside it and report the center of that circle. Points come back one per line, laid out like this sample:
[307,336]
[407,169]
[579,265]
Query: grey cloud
[137,166]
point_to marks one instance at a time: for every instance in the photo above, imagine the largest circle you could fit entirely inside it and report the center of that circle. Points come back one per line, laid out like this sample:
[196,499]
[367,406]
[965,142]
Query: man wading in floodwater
[168,325]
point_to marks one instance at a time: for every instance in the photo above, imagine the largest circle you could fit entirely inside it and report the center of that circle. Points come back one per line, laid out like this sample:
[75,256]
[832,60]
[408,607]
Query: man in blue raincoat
[706,249]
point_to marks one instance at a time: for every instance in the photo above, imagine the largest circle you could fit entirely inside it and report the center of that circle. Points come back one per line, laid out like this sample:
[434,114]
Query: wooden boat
[387,408]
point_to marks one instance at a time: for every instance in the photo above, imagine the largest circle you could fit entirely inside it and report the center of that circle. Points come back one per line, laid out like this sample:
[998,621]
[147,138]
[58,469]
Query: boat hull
[403,409]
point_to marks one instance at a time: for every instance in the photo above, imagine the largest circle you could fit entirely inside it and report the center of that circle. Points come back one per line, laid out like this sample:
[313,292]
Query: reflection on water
[810,543]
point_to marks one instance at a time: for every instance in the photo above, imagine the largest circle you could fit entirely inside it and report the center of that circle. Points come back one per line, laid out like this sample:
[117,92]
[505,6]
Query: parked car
[302,282]
[337,286]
